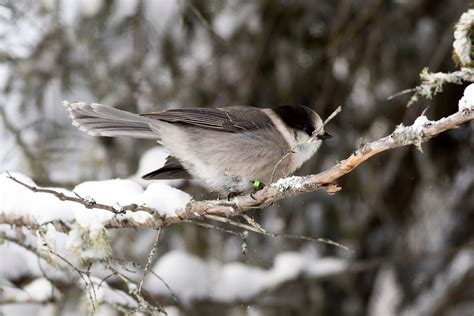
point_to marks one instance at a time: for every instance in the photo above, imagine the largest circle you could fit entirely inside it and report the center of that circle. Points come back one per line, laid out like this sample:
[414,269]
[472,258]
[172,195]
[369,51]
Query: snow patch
[119,191]
[153,159]
[165,199]
[39,290]
[190,277]
[466,103]
[293,182]
[90,8]
[18,201]
[420,123]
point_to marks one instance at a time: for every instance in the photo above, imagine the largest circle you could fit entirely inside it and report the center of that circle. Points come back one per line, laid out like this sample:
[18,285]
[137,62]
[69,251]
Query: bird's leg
[237,185]
[233,191]
[232,195]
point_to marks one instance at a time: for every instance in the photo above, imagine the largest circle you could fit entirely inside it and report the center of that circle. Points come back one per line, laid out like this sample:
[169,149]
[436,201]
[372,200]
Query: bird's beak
[324,136]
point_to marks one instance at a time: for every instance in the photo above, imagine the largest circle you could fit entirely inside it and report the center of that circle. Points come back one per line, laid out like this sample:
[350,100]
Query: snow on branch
[151,208]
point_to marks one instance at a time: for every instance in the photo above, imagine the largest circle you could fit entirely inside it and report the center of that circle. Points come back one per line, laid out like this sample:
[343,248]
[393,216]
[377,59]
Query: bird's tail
[101,120]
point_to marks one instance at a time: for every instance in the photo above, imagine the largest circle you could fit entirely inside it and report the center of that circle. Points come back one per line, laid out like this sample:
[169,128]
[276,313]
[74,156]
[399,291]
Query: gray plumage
[226,148]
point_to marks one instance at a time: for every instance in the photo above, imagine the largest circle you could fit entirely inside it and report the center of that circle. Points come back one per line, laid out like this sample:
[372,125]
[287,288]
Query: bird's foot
[232,195]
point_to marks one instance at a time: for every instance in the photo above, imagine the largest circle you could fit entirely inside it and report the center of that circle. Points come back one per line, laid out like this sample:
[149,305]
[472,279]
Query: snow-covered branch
[137,215]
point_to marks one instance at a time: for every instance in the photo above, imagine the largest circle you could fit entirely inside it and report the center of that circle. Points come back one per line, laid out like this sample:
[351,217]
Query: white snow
[88,236]
[238,281]
[287,183]
[90,8]
[139,216]
[39,289]
[190,277]
[108,192]
[467,101]
[18,201]
[15,262]
[154,158]
[420,123]
[167,200]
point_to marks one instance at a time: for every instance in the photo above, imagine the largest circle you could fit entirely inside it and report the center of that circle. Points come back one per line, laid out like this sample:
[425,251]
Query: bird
[232,150]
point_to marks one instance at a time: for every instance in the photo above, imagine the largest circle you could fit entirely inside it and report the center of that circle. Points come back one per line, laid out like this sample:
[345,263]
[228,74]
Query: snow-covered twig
[88,203]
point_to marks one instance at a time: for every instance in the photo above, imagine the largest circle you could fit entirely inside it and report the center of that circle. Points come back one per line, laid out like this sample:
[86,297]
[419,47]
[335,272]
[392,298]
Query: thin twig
[210,226]
[150,258]
[262,231]
[173,295]
[84,201]
[143,304]
[400,93]
[330,117]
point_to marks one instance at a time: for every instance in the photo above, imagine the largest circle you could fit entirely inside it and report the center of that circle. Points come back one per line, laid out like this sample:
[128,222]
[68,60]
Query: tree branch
[421,131]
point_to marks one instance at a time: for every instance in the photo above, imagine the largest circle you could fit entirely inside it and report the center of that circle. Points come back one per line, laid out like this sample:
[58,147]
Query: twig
[150,258]
[400,93]
[173,295]
[210,226]
[37,253]
[35,164]
[254,227]
[90,204]
[143,304]
[330,117]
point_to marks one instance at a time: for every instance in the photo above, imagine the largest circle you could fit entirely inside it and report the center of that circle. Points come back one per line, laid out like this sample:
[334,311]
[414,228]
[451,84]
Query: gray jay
[232,150]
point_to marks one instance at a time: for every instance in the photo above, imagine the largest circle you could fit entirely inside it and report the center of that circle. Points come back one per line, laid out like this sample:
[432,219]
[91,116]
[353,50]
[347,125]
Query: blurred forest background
[408,215]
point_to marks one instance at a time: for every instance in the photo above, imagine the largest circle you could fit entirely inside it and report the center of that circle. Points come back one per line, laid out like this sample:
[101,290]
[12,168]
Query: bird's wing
[171,170]
[230,119]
